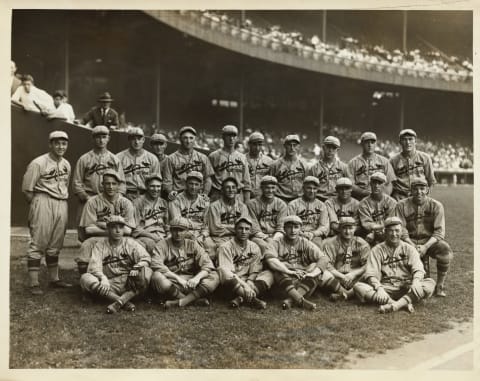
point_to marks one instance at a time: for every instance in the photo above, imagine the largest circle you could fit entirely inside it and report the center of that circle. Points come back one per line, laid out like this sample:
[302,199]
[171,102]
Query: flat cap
[418,181]
[153,176]
[135,131]
[311,179]
[407,131]
[113,173]
[100,130]
[292,138]
[180,223]
[268,180]
[58,135]
[256,137]
[187,129]
[229,130]
[158,138]
[368,136]
[378,176]
[292,219]
[112,220]
[243,219]
[195,175]
[332,140]
[230,179]
[344,182]
[390,221]
[343,221]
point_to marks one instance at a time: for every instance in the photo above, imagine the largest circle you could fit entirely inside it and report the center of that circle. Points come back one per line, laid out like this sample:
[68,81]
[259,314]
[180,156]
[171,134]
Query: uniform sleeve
[399,212]
[168,175]
[129,214]
[347,172]
[351,169]
[247,184]
[324,224]
[225,258]
[216,228]
[314,254]
[89,214]
[78,174]
[140,255]
[256,266]
[389,173]
[159,255]
[95,265]
[415,263]
[174,209]
[31,177]
[374,265]
[439,222]
[329,251]
[429,172]
[121,174]
[364,251]
[282,213]
[203,259]
[366,219]
[156,169]
[137,214]
[208,169]
[292,208]
[390,208]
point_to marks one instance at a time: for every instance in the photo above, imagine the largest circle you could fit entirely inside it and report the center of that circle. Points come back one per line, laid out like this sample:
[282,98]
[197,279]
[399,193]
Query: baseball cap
[292,219]
[153,176]
[100,130]
[407,131]
[268,180]
[418,181]
[343,221]
[116,220]
[332,140]
[390,221]
[256,137]
[243,219]
[195,175]
[368,136]
[180,223]
[113,173]
[292,137]
[230,179]
[187,129]
[58,135]
[379,176]
[135,131]
[229,130]
[158,138]
[344,182]
[311,179]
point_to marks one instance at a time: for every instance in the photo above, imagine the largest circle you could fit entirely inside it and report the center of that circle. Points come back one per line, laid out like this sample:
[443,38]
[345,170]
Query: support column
[405,30]
[67,58]
[241,103]
[322,111]
[324,26]
[157,96]
[402,109]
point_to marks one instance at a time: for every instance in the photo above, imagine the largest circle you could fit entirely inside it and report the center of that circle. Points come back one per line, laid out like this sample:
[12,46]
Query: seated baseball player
[374,209]
[344,205]
[347,255]
[118,269]
[193,206]
[93,222]
[183,271]
[299,266]
[269,211]
[423,220]
[151,215]
[394,274]
[241,267]
[312,211]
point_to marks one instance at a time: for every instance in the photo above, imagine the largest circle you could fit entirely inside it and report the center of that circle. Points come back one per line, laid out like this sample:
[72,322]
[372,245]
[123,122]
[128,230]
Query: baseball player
[298,266]
[423,220]
[183,271]
[394,274]
[137,164]
[347,255]
[258,163]
[151,215]
[228,162]
[410,164]
[183,161]
[240,267]
[93,222]
[45,185]
[193,206]
[312,211]
[374,209]
[343,205]
[118,269]
[158,143]
[328,169]
[363,165]
[289,170]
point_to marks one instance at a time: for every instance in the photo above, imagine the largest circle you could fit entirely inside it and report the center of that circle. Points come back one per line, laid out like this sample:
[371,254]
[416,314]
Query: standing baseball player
[328,169]
[183,161]
[228,162]
[375,209]
[312,211]
[289,170]
[118,269]
[183,271]
[45,185]
[298,266]
[258,163]
[394,274]
[343,205]
[347,255]
[151,215]
[193,206]
[137,164]
[158,143]
[410,164]
[240,267]
[368,162]
[423,220]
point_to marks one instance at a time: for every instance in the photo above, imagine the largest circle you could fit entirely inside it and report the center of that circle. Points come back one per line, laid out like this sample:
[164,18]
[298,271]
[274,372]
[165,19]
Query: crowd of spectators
[349,51]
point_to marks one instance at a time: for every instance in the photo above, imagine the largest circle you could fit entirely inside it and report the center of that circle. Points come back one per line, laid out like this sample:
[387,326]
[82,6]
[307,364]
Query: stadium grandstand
[309,72]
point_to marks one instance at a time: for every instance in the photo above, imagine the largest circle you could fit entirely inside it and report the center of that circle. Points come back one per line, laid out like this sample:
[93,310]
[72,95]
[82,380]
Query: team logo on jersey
[413,168]
[132,168]
[116,261]
[194,213]
[327,174]
[230,166]
[363,170]
[344,213]
[268,216]
[155,214]
[298,173]
[99,168]
[56,174]
[196,165]
[379,214]
[243,260]
[102,214]
[261,169]
[229,218]
[395,261]
[182,264]
[292,256]
[310,216]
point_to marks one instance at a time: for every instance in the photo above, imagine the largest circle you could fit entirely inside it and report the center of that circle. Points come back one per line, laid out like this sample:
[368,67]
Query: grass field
[58,330]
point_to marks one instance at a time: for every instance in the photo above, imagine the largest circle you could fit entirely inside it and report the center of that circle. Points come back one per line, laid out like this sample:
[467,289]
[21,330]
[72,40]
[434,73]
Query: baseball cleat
[35,290]
[410,308]
[307,305]
[440,291]
[114,307]
[202,302]
[287,304]
[237,302]
[386,308]
[129,306]
[60,284]
[171,304]
[258,304]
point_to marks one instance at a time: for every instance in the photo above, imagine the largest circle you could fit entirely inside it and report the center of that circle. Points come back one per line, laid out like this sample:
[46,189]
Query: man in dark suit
[102,115]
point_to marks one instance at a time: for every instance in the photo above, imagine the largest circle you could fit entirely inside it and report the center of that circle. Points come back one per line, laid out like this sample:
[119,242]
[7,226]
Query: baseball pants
[118,284]
[325,281]
[168,286]
[442,252]
[263,281]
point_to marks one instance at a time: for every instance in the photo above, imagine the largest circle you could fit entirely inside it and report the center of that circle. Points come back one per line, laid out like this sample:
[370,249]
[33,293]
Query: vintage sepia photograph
[241,189]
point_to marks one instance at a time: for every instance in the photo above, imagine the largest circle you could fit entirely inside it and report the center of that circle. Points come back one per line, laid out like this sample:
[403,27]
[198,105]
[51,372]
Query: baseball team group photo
[240,188]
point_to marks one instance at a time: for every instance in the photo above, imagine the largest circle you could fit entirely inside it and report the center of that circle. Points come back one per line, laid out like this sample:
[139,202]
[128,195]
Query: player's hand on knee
[249,293]
[192,283]
[348,281]
[133,273]
[422,250]
[298,273]
[382,296]
[104,287]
